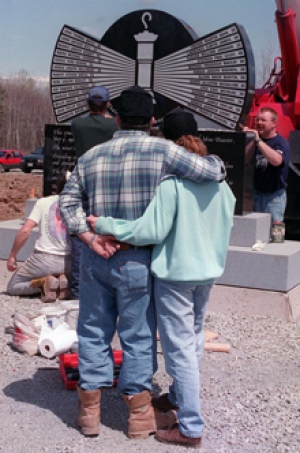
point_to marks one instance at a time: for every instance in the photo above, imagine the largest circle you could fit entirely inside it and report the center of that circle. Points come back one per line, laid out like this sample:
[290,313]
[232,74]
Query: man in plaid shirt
[118,179]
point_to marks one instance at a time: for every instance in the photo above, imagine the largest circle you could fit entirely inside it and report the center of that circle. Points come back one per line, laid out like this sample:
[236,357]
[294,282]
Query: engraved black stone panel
[230,147]
[59,155]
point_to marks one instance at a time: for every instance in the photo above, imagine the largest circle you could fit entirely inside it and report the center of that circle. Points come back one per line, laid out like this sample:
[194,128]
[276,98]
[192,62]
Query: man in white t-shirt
[46,270]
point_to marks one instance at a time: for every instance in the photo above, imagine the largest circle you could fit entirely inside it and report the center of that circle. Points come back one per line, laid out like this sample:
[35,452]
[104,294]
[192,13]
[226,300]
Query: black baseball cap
[178,122]
[136,102]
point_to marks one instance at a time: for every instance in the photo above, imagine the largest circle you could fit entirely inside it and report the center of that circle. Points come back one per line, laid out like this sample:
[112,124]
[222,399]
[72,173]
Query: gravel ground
[250,397]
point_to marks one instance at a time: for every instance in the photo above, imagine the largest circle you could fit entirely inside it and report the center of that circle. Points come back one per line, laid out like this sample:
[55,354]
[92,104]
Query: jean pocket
[136,276]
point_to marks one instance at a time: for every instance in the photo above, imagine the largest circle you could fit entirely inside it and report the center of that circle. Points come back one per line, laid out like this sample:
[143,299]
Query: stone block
[252,302]
[249,228]
[8,231]
[275,268]
[29,204]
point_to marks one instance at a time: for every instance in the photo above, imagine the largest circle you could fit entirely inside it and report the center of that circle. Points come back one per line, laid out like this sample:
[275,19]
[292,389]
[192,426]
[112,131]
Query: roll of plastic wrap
[58,344]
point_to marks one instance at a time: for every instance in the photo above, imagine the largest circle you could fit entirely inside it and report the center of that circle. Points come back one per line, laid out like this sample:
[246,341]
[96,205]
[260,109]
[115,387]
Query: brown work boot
[174,436]
[64,292]
[89,416]
[49,289]
[162,403]
[141,422]
[165,420]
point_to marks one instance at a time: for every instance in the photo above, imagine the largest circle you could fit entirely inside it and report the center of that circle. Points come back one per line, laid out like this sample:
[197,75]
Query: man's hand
[11,264]
[254,131]
[105,246]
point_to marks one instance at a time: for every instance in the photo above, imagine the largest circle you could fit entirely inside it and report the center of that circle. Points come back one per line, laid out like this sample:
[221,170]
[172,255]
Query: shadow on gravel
[47,391]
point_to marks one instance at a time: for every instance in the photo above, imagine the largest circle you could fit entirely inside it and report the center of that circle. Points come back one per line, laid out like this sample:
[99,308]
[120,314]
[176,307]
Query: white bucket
[54,315]
[72,312]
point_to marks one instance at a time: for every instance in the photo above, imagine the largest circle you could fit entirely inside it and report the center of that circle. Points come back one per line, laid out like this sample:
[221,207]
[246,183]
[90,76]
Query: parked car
[34,161]
[10,158]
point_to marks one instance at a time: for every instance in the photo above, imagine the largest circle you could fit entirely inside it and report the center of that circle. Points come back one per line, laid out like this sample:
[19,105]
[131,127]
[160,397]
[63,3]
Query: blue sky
[29,28]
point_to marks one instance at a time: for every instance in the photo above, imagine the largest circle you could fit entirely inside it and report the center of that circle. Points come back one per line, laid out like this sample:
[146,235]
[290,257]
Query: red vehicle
[10,158]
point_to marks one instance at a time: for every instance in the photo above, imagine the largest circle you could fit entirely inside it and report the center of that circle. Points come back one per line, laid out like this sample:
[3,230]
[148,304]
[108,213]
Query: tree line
[25,108]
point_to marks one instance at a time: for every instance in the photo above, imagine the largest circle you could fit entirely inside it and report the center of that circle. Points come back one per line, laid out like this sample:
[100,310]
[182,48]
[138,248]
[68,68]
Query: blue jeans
[75,266]
[274,203]
[180,312]
[116,294]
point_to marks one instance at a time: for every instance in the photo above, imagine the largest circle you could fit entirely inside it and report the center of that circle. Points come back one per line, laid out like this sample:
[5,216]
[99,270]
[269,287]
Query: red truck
[10,158]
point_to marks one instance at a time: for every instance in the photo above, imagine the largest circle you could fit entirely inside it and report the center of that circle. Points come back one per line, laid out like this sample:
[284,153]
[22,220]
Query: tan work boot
[64,292]
[141,422]
[143,419]
[49,289]
[37,282]
[162,403]
[164,420]
[89,416]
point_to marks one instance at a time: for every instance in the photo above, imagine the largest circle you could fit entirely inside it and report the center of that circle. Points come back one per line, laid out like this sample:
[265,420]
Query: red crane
[282,90]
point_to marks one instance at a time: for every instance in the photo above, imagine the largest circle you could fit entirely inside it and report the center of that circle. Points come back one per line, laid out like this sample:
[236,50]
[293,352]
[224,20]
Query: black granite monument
[59,155]
[212,76]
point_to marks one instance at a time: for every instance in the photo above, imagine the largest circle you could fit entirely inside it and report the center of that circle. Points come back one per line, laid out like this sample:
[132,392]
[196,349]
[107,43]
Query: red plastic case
[68,368]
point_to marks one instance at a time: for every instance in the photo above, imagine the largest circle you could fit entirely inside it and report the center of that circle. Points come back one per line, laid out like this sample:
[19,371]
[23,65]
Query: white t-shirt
[53,233]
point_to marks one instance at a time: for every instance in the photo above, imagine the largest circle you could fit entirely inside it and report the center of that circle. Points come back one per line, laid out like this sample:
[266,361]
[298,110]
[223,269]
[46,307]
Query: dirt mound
[15,188]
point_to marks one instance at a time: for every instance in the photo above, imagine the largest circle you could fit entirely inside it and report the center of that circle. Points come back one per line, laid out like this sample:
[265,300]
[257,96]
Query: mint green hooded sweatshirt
[189,225]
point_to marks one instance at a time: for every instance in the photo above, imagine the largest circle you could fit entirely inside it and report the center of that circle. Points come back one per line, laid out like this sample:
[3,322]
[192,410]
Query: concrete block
[29,204]
[250,228]
[275,268]
[251,302]
[294,303]
[255,302]
[8,231]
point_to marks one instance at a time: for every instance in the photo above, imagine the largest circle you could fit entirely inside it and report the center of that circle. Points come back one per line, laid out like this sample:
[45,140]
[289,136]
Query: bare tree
[266,64]
[26,109]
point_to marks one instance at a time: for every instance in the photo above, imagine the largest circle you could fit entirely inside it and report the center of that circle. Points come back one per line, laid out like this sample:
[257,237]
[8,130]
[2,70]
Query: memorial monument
[213,77]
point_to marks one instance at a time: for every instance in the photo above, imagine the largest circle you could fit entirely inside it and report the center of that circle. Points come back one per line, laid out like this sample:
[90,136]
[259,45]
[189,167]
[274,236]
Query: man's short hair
[273,112]
[98,107]
[136,107]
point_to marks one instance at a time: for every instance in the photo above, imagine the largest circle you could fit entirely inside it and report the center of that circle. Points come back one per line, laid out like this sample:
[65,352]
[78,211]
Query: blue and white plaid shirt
[118,178]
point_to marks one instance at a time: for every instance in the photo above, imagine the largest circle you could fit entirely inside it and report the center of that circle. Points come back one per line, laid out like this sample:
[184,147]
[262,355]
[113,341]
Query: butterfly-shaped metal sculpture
[212,76]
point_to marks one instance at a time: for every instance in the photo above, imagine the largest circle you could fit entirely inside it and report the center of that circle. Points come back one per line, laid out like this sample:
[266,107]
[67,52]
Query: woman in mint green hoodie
[189,226]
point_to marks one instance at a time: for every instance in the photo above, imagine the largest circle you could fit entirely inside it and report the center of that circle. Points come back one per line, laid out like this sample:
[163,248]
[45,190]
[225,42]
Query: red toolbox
[68,368]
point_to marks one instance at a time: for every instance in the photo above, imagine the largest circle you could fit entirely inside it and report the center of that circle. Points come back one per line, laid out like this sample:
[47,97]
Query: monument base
[263,283]
[254,302]
[8,231]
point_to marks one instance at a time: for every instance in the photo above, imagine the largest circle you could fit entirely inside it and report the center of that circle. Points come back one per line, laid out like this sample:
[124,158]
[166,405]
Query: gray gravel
[250,397]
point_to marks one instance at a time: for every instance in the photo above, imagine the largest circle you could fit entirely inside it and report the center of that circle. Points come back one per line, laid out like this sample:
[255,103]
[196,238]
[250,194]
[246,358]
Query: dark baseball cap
[98,94]
[136,102]
[178,122]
